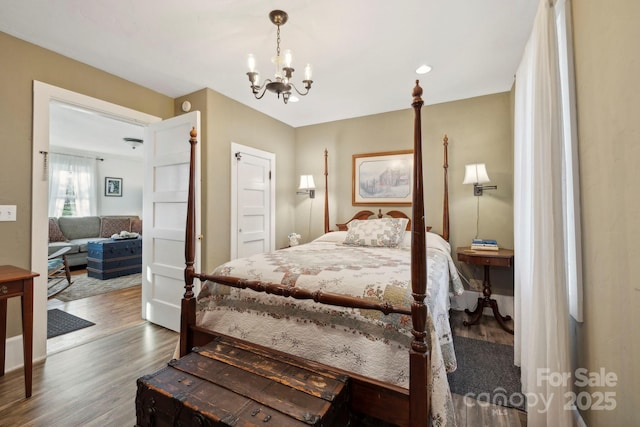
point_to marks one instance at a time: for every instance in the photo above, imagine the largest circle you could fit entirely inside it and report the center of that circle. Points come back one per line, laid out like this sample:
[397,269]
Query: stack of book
[484,245]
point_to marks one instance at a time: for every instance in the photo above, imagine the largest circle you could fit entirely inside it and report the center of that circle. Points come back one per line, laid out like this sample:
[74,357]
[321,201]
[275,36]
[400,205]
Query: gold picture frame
[382,179]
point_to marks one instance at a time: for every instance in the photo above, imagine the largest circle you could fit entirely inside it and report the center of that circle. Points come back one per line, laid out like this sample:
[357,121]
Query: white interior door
[167,155]
[252,205]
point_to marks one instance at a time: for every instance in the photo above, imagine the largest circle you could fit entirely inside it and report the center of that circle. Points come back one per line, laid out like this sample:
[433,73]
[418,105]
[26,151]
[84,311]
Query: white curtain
[541,346]
[77,172]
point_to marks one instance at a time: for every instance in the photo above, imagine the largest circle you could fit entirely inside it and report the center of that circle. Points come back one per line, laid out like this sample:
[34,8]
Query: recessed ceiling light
[293,98]
[423,69]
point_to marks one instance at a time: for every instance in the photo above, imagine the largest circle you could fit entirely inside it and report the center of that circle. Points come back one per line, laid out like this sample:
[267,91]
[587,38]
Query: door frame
[235,147]
[43,93]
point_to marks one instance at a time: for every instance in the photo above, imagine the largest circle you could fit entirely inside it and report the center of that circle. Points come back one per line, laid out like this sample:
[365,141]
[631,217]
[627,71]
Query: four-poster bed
[323,304]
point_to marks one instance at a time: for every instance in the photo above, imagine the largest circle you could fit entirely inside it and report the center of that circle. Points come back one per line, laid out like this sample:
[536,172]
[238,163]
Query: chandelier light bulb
[251,63]
[307,72]
[288,58]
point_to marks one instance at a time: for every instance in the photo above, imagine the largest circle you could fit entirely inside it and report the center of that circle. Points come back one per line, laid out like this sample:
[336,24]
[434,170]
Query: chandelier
[281,84]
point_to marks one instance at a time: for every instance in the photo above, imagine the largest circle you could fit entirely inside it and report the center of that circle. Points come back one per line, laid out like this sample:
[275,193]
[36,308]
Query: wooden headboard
[363,215]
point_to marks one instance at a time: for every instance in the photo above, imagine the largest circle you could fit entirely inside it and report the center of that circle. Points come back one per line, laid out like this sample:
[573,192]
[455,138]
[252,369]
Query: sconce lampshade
[306,182]
[475,174]
[307,186]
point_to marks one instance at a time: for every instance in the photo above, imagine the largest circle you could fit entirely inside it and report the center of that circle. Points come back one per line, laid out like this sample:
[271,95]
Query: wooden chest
[114,258]
[227,383]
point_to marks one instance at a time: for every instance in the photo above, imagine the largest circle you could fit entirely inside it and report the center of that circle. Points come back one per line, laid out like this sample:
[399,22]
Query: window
[69,203]
[72,186]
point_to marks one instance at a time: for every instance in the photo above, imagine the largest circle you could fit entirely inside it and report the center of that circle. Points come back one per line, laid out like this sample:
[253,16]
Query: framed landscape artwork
[113,187]
[382,178]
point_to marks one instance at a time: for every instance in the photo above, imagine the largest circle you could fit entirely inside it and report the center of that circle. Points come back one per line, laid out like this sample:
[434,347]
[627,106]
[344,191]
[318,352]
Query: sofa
[77,232]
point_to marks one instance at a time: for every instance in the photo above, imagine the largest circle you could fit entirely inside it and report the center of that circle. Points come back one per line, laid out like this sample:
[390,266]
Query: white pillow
[332,237]
[433,241]
[387,232]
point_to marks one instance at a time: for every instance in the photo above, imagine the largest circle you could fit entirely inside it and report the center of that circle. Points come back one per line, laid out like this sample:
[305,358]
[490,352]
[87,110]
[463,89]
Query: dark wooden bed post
[188,308]
[326,192]
[445,202]
[419,356]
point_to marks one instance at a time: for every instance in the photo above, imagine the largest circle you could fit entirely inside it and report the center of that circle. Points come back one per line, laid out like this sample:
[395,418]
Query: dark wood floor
[89,376]
[112,313]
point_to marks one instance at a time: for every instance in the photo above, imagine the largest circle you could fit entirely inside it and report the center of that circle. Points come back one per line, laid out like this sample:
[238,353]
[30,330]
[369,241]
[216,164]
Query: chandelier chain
[278,42]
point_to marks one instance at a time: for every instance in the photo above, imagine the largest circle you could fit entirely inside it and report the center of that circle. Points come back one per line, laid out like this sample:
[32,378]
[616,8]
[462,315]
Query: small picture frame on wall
[113,187]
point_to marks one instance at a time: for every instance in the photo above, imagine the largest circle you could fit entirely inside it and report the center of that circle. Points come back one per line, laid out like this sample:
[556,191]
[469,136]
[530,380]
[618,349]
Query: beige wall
[21,64]
[225,121]
[479,130]
[606,36]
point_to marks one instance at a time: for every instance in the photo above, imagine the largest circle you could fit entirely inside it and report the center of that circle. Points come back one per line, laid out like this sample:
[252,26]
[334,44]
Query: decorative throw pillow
[136,225]
[55,234]
[376,232]
[114,225]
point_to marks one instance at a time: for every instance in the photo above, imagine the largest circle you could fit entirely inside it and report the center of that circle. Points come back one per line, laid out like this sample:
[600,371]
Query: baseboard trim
[469,300]
[13,354]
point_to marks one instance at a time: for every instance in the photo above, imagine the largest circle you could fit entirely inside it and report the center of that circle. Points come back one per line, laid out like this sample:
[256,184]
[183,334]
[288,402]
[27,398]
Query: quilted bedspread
[363,341]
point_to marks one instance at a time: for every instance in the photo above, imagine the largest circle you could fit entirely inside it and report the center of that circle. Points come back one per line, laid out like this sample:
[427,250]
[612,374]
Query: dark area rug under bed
[486,372]
[60,322]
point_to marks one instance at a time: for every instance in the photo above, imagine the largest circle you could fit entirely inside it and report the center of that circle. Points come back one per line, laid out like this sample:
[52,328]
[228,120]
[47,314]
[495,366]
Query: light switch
[8,212]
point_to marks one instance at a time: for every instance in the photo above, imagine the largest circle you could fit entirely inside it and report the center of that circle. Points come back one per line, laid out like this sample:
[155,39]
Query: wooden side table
[499,258]
[17,282]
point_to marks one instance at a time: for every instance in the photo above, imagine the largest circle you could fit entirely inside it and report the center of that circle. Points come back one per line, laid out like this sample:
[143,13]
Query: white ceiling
[364,52]
[75,129]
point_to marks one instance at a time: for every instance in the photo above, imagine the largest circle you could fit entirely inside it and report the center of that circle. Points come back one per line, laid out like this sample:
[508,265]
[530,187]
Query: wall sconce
[476,174]
[307,186]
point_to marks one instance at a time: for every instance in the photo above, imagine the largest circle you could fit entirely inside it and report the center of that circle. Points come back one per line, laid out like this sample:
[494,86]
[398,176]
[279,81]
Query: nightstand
[499,258]
[17,282]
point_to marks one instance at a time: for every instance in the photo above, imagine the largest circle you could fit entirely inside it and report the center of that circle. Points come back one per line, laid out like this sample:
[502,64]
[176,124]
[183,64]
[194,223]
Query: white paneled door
[167,154]
[252,209]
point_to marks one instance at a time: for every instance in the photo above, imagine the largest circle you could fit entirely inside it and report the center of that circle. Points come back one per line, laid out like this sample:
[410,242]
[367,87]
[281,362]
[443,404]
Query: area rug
[486,372]
[60,322]
[83,286]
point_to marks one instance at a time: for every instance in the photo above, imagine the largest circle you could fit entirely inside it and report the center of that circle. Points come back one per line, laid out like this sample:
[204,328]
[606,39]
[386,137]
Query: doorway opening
[80,109]
[87,151]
